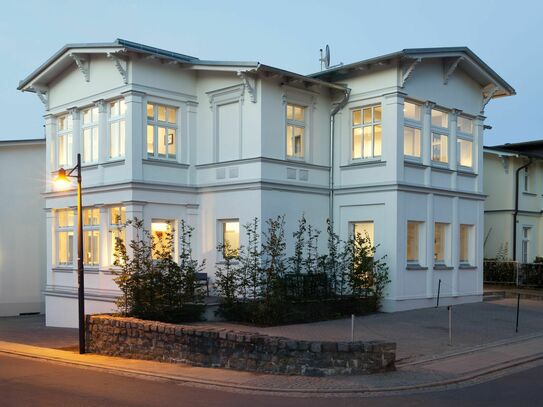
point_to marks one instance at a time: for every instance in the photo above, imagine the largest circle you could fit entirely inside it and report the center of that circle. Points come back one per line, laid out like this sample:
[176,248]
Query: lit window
[526,244]
[366,132]
[65,236]
[117,218]
[91,236]
[161,232]
[440,119]
[440,148]
[117,112]
[411,141]
[466,244]
[90,135]
[365,230]
[464,125]
[161,131]
[64,140]
[465,152]
[230,235]
[411,111]
[295,131]
[413,237]
[440,245]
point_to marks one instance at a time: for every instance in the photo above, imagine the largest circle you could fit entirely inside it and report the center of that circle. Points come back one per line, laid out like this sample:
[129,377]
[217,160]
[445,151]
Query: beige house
[22,227]
[513,209]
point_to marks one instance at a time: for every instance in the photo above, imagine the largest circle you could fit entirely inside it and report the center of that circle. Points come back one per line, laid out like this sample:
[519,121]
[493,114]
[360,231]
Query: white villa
[392,145]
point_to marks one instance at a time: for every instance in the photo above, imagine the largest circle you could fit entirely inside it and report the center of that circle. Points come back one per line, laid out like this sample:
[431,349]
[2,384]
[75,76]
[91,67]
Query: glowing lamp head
[61,180]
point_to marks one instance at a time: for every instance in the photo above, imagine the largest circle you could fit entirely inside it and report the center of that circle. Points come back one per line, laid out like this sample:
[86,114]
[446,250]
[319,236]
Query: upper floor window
[65,236]
[440,119]
[295,131]
[440,148]
[465,141]
[366,132]
[161,131]
[117,112]
[526,182]
[91,236]
[64,140]
[90,135]
[412,130]
[464,125]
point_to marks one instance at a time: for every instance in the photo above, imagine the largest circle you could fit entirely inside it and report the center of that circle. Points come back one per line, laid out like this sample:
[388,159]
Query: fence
[529,275]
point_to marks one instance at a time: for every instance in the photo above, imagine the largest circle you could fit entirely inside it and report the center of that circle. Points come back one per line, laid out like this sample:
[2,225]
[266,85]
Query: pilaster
[50,150]
[76,134]
[392,134]
[50,245]
[430,245]
[478,141]
[426,141]
[455,249]
[134,140]
[453,146]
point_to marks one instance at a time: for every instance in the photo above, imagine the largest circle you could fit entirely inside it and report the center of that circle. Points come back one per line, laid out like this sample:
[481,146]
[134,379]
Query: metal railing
[527,275]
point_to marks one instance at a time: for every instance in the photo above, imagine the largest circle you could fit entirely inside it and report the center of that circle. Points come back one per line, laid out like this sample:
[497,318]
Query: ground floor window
[161,232]
[466,244]
[230,235]
[91,236]
[413,242]
[65,236]
[440,242]
[525,243]
[117,218]
[364,229]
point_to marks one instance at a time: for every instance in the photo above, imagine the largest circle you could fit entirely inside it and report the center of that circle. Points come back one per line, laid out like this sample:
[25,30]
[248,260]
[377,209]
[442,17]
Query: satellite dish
[325,58]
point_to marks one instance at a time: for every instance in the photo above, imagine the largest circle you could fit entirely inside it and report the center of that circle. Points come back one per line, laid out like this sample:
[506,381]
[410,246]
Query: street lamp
[63,180]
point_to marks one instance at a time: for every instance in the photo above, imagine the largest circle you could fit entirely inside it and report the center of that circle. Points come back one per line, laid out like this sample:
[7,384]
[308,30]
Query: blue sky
[288,34]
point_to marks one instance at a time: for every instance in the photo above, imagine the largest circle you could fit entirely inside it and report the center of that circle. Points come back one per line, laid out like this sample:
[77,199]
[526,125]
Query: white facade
[22,227]
[503,164]
[244,140]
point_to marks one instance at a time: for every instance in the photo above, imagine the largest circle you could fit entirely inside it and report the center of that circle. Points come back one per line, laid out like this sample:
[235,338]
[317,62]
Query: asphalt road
[26,382]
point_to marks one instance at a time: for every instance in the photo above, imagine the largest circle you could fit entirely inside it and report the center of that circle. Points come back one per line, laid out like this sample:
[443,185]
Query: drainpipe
[333,113]
[515,214]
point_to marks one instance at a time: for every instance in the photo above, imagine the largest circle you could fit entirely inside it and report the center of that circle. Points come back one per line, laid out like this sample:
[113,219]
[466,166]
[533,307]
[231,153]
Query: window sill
[89,166]
[165,162]
[368,162]
[467,267]
[295,159]
[416,267]
[528,193]
[91,269]
[439,166]
[113,161]
[466,171]
[412,160]
[63,269]
[442,267]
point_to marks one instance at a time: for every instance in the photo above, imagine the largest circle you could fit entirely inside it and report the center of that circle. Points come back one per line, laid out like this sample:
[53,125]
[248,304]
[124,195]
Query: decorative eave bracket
[250,84]
[83,65]
[123,70]
[488,92]
[407,73]
[448,69]
[43,95]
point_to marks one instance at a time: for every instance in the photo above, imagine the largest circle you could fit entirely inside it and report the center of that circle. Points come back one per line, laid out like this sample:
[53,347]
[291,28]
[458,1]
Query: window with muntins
[91,236]
[366,132]
[464,141]
[64,140]
[117,218]
[117,128]
[90,135]
[65,236]
[412,130]
[295,131]
[161,131]
[440,136]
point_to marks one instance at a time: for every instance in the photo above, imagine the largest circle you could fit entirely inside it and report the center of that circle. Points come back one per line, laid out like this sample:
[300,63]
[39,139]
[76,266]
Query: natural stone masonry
[224,348]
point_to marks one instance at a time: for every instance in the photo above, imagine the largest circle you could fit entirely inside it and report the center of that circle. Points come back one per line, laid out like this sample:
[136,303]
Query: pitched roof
[533,149]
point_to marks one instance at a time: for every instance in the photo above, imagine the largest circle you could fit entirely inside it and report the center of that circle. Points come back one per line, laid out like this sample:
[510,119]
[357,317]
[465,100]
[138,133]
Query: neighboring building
[514,206]
[22,227]
[166,136]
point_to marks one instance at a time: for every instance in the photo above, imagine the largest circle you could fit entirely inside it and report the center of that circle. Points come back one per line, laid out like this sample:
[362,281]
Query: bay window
[295,131]
[90,135]
[64,140]
[116,121]
[412,130]
[161,131]
[366,132]
[65,237]
[440,148]
[91,236]
[465,141]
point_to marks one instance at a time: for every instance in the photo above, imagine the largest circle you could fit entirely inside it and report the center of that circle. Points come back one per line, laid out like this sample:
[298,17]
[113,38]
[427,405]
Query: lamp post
[63,178]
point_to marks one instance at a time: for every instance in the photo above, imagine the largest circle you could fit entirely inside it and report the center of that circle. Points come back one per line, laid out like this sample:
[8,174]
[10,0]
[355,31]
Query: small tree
[296,261]
[273,251]
[250,270]
[227,274]
[312,250]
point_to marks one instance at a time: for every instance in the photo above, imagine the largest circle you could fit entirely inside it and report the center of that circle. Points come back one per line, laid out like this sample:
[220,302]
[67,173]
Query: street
[26,382]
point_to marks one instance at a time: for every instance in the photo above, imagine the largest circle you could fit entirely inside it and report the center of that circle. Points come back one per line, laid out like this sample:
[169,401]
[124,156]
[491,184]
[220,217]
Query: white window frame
[64,229]
[67,140]
[93,126]
[446,261]
[439,162]
[526,180]
[296,124]
[121,120]
[525,243]
[420,243]
[470,245]
[156,124]
[416,125]
[465,136]
[363,125]
[94,230]
[114,230]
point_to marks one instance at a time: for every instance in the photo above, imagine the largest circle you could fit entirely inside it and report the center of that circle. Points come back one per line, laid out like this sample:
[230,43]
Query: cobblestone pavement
[423,333]
[31,330]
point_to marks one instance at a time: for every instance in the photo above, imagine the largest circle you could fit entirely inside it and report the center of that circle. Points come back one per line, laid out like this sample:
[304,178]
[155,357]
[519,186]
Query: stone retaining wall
[216,347]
